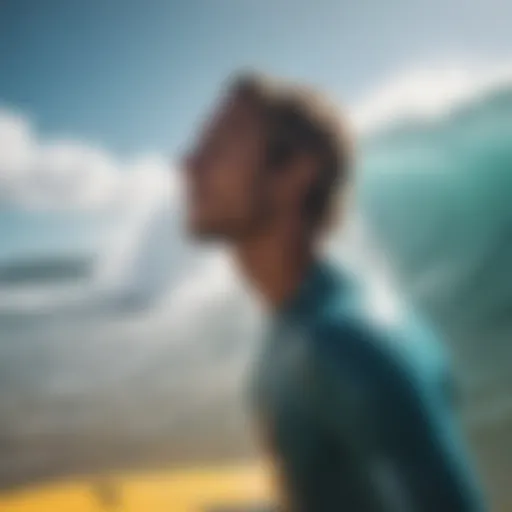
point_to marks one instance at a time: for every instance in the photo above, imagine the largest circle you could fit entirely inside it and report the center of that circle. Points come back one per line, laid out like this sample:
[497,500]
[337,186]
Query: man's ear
[301,175]
[294,179]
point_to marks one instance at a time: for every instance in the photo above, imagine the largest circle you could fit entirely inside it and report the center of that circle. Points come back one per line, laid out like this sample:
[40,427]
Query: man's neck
[275,264]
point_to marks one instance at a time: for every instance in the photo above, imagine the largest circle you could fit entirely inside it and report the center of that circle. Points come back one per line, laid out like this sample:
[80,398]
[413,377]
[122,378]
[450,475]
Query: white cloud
[426,92]
[63,174]
[40,174]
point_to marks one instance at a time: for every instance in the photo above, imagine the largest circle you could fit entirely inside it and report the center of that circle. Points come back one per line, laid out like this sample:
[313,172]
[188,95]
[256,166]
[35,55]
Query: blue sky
[135,75]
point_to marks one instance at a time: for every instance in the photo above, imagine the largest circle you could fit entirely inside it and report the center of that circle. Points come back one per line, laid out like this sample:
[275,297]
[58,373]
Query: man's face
[224,182]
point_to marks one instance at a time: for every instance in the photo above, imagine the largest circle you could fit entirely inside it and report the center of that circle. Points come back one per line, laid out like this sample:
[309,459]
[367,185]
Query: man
[351,422]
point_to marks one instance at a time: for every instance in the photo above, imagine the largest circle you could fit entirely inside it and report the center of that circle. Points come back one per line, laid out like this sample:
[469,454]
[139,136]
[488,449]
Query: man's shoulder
[342,328]
[345,327]
[343,313]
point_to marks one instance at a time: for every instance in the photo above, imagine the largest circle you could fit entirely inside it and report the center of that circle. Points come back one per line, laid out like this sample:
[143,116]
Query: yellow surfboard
[235,488]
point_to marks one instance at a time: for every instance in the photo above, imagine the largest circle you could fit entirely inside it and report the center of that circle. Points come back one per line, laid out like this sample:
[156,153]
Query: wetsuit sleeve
[430,459]
[408,442]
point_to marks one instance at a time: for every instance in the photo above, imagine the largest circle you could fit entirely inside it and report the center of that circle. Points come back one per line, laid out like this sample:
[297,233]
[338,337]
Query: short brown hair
[299,118]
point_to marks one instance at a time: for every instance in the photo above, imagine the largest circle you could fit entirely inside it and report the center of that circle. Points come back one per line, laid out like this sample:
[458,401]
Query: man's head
[271,153]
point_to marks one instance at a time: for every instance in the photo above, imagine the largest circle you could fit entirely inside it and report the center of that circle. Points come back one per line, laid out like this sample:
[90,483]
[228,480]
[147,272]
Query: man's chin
[205,233]
[223,232]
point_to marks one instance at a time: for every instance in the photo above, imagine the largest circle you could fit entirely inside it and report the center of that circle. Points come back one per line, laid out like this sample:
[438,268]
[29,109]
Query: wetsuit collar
[317,281]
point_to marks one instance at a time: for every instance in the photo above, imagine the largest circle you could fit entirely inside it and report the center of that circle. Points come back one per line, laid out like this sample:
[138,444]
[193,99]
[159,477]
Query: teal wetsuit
[357,415]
